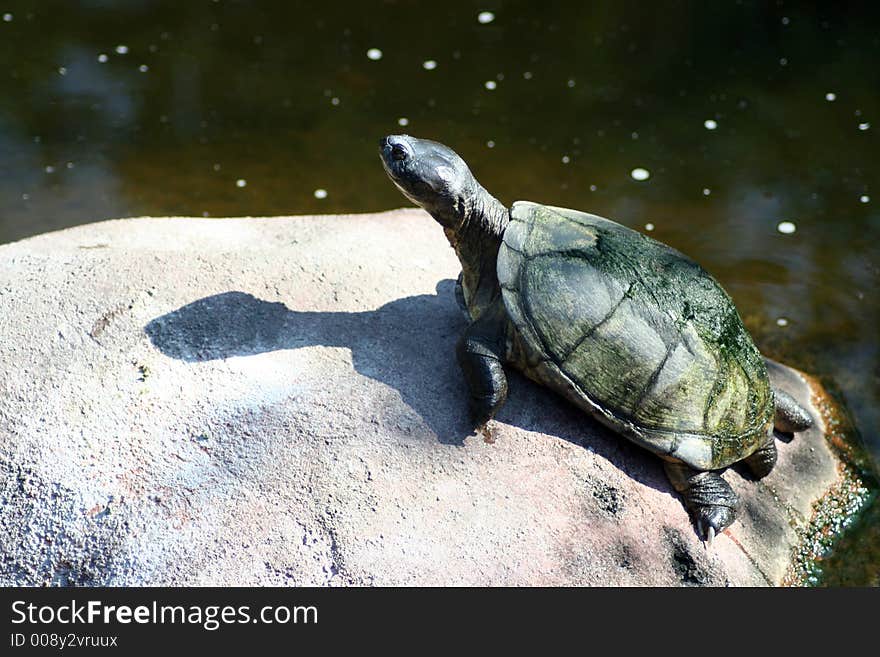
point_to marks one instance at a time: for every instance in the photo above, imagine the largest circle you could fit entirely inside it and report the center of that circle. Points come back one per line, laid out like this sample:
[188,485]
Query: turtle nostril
[398,152]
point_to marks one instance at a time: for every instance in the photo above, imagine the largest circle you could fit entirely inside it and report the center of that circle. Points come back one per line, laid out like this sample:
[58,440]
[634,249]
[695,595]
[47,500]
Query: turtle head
[432,176]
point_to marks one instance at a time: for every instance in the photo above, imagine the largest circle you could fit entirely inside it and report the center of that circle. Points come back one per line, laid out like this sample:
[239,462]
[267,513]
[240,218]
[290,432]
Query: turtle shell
[634,332]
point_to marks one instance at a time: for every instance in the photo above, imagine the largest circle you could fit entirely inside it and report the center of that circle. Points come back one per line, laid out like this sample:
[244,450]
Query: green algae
[839,546]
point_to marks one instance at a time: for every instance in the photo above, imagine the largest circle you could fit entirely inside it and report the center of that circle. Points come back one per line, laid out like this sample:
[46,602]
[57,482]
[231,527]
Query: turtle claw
[710,536]
[712,520]
[706,532]
[487,431]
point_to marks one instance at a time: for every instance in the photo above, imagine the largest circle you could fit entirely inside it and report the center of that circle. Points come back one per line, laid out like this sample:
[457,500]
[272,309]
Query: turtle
[628,329]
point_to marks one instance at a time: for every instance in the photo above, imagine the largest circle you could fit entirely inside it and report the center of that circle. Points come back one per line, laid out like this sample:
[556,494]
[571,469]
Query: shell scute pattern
[648,339]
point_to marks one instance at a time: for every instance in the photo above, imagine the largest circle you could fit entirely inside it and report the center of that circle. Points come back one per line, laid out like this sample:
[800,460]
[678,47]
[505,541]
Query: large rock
[276,401]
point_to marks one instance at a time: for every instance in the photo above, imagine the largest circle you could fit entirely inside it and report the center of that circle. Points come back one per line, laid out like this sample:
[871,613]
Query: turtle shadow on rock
[408,344]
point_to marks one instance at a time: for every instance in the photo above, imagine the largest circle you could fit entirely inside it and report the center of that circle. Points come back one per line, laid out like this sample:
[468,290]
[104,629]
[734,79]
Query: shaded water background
[227,108]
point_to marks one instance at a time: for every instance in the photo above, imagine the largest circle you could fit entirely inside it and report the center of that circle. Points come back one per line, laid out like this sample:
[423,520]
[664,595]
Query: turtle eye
[398,152]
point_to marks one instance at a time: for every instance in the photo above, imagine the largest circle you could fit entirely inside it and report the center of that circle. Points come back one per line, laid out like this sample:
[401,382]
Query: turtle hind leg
[710,500]
[762,460]
[790,416]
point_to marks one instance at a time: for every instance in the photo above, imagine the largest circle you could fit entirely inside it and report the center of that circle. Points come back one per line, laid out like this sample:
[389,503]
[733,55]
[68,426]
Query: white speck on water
[490,144]
[593,188]
[710,124]
[491,84]
[706,191]
[831,96]
[499,77]
[527,75]
[566,159]
[786,227]
[62,70]
[216,167]
[640,174]
[121,49]
[50,169]
[103,58]
[781,321]
[69,165]
[375,54]
[241,182]
[429,64]
[7,18]
[635,135]
[864,126]
[786,20]
[334,100]
[649,227]
[320,193]
[25,197]
[153,47]
[206,214]
[403,121]
[570,83]
[485,17]
[864,198]
[783,61]
[143,68]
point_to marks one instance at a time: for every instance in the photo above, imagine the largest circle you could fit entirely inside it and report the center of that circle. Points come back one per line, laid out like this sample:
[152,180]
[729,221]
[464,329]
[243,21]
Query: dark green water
[154,107]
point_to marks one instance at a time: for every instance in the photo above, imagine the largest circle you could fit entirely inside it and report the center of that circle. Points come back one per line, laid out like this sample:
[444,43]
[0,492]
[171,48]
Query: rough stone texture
[276,401]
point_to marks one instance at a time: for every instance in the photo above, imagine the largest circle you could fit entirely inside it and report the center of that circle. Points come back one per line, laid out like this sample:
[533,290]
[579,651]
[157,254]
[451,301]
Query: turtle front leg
[480,353]
[710,500]
[790,416]
[459,297]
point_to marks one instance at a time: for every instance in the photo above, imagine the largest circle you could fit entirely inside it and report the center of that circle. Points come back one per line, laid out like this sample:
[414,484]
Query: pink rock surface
[276,401]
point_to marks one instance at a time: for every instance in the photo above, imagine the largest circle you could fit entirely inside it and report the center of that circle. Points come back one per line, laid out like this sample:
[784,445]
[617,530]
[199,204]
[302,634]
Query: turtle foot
[710,500]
